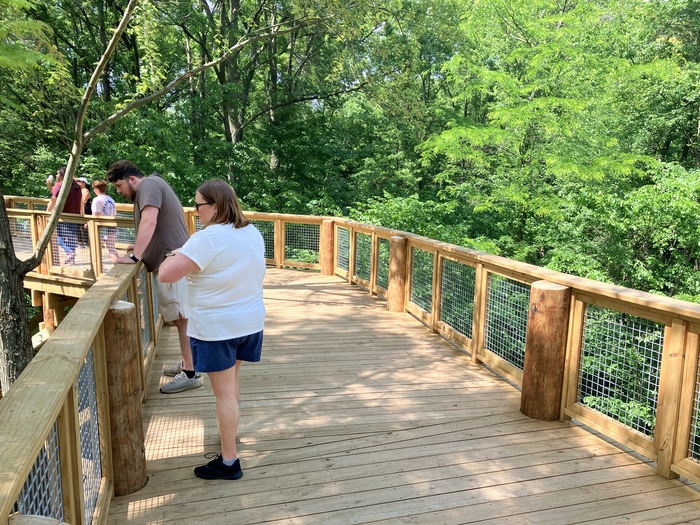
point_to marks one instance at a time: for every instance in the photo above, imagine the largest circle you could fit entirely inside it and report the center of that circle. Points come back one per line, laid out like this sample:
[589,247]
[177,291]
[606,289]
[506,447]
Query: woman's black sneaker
[216,469]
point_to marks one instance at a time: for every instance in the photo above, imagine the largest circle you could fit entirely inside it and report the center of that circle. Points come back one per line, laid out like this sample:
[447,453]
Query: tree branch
[145,100]
[303,98]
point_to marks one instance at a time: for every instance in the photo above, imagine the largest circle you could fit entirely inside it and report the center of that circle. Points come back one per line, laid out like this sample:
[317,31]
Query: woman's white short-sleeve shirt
[226,295]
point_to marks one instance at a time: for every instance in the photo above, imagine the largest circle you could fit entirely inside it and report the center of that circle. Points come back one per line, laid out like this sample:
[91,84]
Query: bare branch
[234,49]
[303,98]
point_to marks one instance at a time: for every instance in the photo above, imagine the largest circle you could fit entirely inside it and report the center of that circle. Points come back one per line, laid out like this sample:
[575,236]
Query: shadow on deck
[358,415]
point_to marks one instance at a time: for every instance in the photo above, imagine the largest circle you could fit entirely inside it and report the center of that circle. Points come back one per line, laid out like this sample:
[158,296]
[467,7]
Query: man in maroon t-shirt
[65,231]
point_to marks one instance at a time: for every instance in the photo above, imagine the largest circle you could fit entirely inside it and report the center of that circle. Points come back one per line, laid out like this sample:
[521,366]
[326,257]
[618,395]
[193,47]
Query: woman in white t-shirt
[224,264]
[103,206]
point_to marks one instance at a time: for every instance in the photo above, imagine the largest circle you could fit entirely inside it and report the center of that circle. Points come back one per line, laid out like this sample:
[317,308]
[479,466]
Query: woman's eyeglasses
[198,204]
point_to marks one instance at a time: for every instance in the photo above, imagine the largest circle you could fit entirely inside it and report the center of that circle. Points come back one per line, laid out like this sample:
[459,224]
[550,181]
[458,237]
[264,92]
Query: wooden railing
[56,457]
[629,365]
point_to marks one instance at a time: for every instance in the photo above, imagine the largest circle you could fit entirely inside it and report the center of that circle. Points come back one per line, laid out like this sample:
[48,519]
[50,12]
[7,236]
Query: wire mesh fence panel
[507,306]
[301,242]
[40,207]
[363,255]
[125,214]
[113,242]
[267,230]
[144,310]
[422,279]
[41,493]
[21,233]
[343,249]
[20,205]
[694,441]
[154,294]
[619,368]
[383,263]
[70,247]
[89,436]
[457,296]
[197,224]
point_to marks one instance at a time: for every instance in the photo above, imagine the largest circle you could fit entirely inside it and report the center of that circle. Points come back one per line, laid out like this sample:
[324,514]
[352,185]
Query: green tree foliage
[561,133]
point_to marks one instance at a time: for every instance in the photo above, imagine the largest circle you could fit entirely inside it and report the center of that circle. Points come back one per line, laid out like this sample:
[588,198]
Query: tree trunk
[15,340]
[106,88]
[697,144]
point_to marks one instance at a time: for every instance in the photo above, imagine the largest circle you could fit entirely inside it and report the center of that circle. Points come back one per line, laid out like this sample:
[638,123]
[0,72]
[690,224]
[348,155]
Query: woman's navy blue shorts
[215,356]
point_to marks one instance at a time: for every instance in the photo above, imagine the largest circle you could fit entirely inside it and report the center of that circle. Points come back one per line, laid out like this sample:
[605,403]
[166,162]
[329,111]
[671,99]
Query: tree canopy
[561,133]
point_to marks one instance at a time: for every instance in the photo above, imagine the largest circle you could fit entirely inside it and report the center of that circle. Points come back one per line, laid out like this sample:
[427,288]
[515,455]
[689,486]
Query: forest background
[564,134]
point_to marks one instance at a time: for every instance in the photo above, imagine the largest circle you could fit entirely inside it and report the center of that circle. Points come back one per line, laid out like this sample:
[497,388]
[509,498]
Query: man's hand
[130,248]
[121,260]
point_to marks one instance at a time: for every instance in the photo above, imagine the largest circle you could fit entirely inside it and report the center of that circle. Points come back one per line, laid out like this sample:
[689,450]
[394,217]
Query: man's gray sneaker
[180,383]
[173,370]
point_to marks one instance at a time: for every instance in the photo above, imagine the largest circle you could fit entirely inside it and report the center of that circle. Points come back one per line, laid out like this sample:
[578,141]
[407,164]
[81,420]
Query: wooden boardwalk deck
[357,415]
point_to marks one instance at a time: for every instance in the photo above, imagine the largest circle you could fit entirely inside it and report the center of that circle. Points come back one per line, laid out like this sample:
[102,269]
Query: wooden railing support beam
[124,381]
[326,247]
[398,255]
[545,350]
[668,406]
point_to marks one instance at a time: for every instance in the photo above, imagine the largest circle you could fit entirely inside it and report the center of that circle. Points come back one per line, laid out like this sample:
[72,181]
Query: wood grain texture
[123,358]
[359,415]
[545,350]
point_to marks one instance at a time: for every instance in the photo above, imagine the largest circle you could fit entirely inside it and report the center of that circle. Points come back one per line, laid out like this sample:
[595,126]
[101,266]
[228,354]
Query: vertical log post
[326,248]
[396,294]
[545,350]
[125,419]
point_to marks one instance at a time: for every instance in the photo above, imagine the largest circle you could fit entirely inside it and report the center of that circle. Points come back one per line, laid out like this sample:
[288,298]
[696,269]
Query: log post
[545,350]
[326,248]
[396,294]
[125,419]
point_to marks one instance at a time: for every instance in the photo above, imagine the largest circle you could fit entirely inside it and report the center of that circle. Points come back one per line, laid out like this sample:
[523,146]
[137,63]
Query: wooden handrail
[681,319]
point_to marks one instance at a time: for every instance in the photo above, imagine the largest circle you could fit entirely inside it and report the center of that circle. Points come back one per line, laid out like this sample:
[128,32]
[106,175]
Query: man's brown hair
[123,169]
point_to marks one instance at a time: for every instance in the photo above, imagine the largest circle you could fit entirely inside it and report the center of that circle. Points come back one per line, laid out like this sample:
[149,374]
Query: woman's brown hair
[228,210]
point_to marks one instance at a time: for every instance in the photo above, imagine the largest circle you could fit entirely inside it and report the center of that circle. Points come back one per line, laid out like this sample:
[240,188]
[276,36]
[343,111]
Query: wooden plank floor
[357,415]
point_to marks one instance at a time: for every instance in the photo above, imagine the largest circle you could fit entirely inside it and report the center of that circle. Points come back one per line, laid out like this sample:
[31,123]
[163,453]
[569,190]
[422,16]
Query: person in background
[159,221]
[66,231]
[104,206]
[86,208]
[225,265]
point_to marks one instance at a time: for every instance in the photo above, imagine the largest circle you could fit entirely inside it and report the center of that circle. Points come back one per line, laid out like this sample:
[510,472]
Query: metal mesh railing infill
[301,242]
[42,493]
[457,296]
[363,255]
[71,247]
[383,255]
[89,436]
[113,242]
[267,230]
[343,249]
[620,365]
[154,294]
[507,306]
[20,231]
[144,310]
[694,439]
[422,279]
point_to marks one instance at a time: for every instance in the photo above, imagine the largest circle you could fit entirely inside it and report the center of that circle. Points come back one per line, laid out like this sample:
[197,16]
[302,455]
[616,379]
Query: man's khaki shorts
[172,299]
